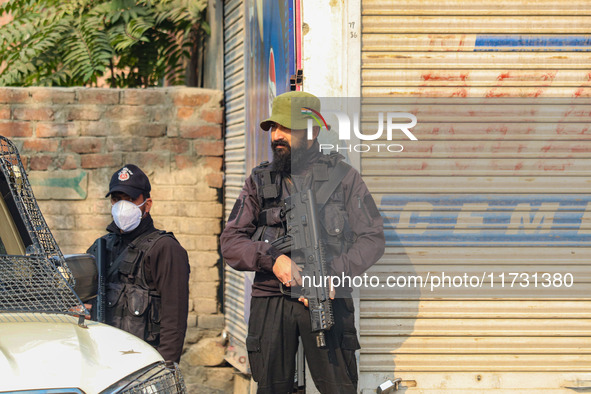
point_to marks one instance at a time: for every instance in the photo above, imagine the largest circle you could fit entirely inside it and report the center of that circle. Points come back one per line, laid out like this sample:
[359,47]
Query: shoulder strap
[110,241]
[266,188]
[133,253]
[335,178]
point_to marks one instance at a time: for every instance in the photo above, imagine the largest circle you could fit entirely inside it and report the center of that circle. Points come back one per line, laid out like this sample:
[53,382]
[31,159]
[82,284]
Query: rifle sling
[327,188]
[283,244]
[131,247]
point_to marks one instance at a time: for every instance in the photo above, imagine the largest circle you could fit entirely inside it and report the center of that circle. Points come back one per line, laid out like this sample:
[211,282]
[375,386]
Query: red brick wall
[72,139]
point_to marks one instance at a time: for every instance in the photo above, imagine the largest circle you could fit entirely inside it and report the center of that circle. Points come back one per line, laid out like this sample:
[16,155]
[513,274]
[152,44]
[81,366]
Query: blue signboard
[486,220]
[269,66]
[533,43]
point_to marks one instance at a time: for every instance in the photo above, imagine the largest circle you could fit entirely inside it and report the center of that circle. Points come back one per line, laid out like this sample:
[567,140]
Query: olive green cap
[287,112]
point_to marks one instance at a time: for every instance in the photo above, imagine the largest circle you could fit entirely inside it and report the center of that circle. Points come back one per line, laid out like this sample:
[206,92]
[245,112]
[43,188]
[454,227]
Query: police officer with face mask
[147,283]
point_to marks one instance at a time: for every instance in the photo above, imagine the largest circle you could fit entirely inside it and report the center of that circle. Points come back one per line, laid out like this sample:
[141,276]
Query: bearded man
[352,229]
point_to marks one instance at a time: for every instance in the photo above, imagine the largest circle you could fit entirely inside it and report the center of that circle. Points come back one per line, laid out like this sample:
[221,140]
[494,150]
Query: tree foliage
[131,43]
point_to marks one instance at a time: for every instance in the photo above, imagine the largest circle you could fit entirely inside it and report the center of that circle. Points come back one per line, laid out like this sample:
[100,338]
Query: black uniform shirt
[167,271]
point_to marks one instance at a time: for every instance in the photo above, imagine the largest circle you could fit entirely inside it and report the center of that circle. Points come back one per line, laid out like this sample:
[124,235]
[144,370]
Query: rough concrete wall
[71,141]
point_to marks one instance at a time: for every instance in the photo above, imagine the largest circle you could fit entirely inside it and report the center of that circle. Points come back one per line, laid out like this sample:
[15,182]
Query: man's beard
[283,158]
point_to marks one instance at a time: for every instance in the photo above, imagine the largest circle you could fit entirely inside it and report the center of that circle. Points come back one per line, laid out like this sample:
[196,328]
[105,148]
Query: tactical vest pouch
[336,224]
[135,318]
[153,333]
[114,309]
[132,258]
[271,216]
[270,189]
[258,234]
[334,220]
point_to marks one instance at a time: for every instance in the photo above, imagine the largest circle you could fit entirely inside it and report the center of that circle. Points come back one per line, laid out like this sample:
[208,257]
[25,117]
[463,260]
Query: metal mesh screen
[158,380]
[22,194]
[33,284]
[39,281]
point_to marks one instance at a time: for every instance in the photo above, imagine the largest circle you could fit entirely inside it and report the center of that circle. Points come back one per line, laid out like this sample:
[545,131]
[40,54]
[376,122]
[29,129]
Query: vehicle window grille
[40,281]
[158,380]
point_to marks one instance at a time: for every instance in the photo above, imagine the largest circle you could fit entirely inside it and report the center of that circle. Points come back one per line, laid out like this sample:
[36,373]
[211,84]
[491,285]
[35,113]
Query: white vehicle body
[60,354]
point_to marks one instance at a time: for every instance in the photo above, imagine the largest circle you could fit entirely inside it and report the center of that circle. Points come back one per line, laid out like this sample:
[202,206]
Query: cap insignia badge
[124,174]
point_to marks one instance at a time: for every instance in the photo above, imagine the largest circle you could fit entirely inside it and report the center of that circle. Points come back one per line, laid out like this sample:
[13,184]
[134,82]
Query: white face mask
[127,215]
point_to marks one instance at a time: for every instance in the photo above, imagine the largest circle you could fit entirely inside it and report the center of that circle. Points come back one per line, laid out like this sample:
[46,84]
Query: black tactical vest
[131,305]
[272,190]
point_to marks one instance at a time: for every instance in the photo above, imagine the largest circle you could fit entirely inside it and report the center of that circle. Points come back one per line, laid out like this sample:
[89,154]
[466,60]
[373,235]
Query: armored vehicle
[48,344]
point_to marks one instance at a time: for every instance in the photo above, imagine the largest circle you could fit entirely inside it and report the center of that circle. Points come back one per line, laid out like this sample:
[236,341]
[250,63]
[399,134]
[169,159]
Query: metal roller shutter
[235,172]
[455,183]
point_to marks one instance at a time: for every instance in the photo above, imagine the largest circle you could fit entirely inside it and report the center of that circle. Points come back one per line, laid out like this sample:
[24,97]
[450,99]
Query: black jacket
[166,268]
[363,218]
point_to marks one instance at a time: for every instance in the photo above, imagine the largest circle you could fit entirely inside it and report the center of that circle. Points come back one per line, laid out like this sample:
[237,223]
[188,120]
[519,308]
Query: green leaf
[206,28]
[57,43]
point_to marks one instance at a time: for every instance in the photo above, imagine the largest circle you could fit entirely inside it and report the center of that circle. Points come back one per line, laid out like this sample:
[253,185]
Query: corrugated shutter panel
[235,171]
[479,48]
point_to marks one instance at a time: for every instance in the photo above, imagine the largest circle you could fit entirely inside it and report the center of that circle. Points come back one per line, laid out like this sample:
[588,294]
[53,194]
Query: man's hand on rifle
[287,271]
[331,295]
[283,269]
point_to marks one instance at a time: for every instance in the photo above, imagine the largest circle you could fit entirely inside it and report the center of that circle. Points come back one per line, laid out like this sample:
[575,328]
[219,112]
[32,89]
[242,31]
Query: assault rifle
[101,263]
[303,240]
